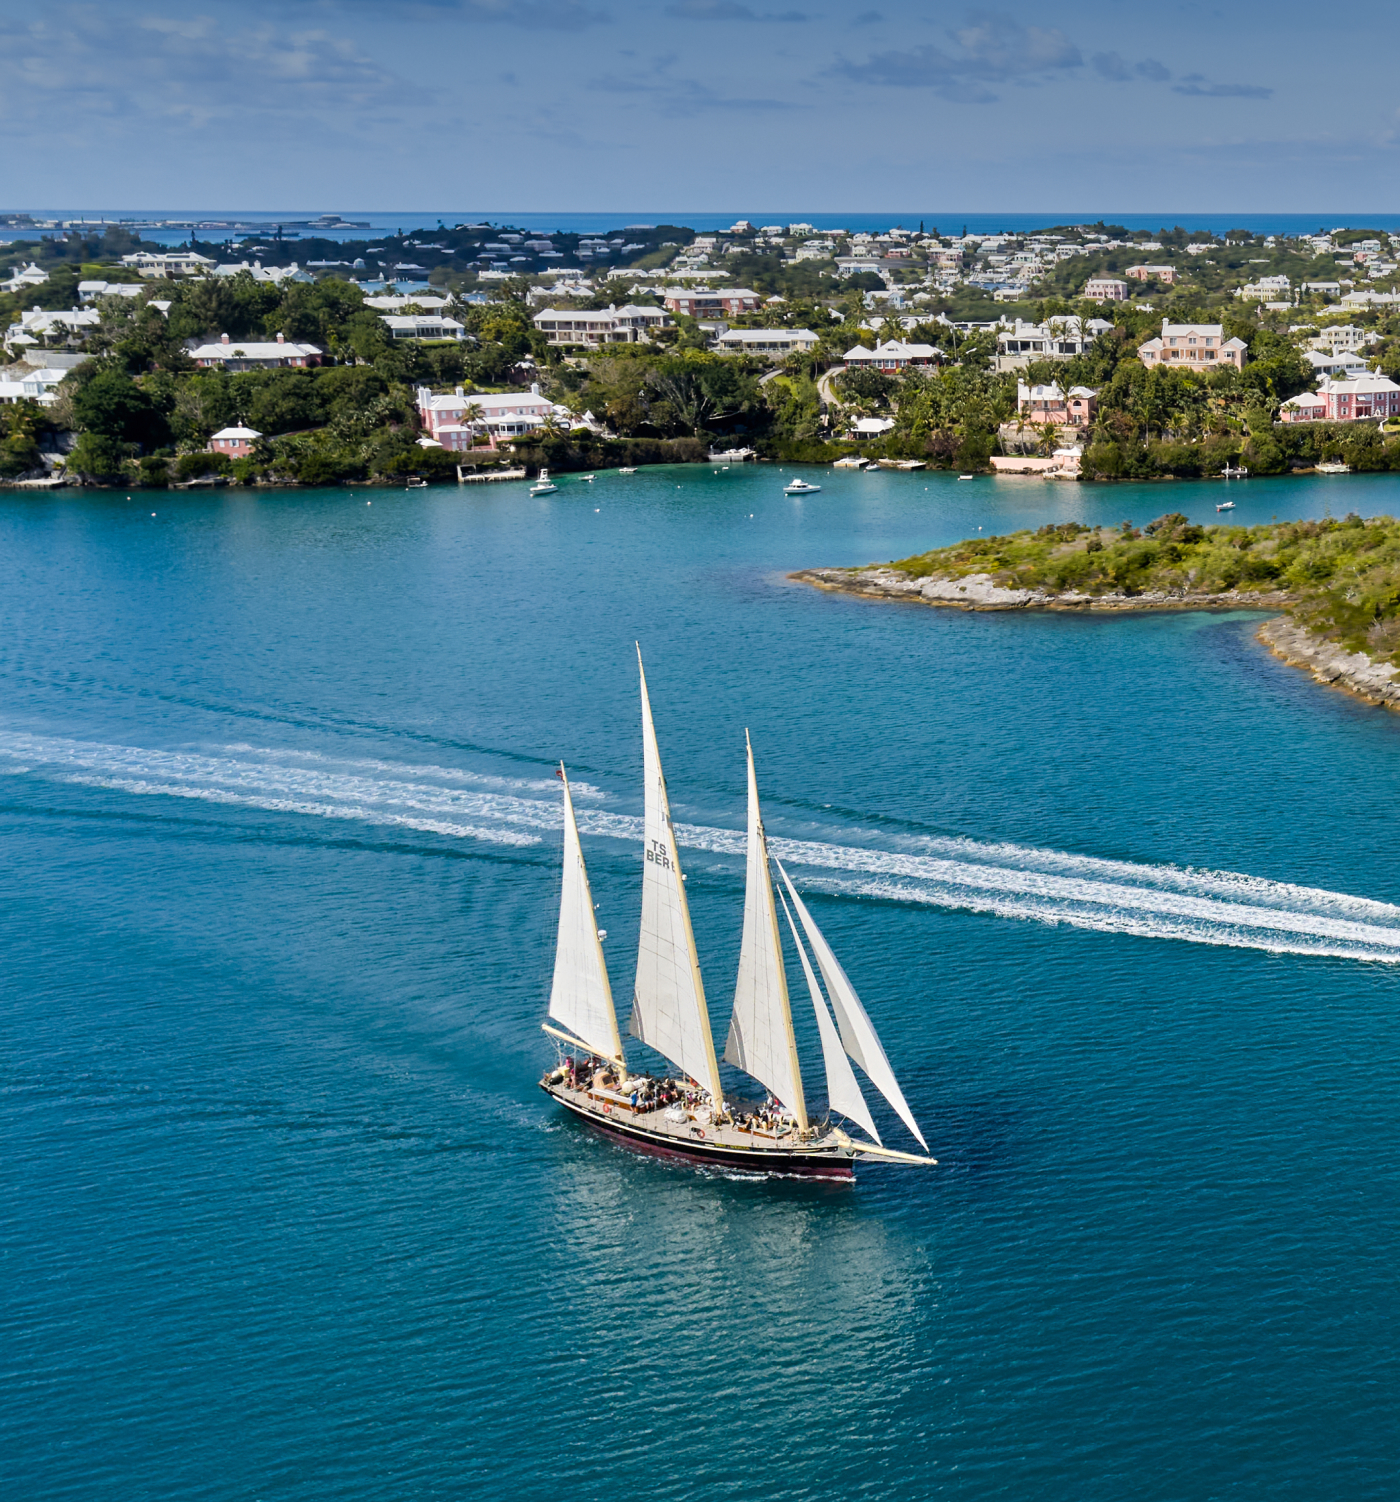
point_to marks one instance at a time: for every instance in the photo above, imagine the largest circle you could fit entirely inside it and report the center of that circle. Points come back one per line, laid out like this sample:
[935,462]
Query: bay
[284,1213]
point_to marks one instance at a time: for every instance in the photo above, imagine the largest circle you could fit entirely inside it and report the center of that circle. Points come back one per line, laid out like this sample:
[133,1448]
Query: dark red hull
[803,1165]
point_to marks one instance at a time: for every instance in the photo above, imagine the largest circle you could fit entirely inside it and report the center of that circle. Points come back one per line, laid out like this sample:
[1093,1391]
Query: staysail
[668,1006]
[857,1031]
[842,1089]
[581,998]
[761,1041]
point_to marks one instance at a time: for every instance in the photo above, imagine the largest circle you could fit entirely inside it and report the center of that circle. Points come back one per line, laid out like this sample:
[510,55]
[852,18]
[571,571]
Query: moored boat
[543,485]
[686,1116]
[799,486]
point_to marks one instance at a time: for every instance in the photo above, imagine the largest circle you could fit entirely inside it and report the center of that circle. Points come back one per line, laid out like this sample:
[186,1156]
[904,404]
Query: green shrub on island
[1343,577]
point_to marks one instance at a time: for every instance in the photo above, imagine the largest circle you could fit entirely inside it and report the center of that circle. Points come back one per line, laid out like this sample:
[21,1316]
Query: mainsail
[668,1006]
[581,999]
[857,1031]
[761,1041]
[842,1089]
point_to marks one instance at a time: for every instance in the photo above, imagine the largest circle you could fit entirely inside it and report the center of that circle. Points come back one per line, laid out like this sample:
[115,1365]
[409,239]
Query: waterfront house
[254,354]
[1105,289]
[237,442]
[1192,346]
[892,355]
[499,414]
[1038,405]
[766,341]
[1357,400]
[871,427]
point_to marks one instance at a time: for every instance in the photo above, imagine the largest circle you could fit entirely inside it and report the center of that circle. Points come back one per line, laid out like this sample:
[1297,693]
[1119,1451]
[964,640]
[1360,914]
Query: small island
[1338,583]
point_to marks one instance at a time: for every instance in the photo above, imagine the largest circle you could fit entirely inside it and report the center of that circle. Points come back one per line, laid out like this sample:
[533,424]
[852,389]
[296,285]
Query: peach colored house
[1105,289]
[1345,401]
[1164,274]
[1193,346]
[1041,404]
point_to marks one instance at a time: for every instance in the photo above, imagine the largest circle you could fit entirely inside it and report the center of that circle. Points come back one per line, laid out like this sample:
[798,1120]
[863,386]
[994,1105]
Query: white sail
[668,1005]
[842,1088]
[761,1041]
[581,998]
[857,1031]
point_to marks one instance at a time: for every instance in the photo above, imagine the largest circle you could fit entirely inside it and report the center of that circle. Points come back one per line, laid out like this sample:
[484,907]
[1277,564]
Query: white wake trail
[1046,886]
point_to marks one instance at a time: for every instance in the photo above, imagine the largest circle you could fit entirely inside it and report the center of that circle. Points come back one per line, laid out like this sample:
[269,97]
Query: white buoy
[152,513]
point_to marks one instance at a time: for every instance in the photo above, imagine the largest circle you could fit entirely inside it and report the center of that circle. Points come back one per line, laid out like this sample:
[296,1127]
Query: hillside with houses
[1082,350]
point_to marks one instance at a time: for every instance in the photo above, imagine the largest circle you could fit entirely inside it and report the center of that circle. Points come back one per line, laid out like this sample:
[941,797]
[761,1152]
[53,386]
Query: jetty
[485,476]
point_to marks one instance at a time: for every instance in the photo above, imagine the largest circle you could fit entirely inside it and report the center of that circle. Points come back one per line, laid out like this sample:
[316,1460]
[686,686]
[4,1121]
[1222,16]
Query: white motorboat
[628,471]
[967,477]
[589,479]
[1333,467]
[1230,472]
[544,485]
[1226,506]
[799,487]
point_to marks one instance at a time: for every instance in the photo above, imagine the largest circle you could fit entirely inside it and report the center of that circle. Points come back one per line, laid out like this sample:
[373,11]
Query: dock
[485,476]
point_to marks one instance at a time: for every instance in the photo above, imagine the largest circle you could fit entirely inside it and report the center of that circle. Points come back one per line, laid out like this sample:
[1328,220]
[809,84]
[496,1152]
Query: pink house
[1164,274]
[1105,289]
[236,442]
[712,302]
[1193,346]
[1041,404]
[1366,397]
[458,421]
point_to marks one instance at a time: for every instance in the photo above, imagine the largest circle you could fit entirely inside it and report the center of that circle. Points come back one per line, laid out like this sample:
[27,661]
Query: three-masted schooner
[687,1116]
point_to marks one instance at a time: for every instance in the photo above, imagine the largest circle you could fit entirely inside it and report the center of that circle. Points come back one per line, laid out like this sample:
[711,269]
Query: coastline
[1327,661]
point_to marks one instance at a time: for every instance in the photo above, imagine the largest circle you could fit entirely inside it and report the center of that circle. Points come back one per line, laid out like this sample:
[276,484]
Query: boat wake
[1011,881]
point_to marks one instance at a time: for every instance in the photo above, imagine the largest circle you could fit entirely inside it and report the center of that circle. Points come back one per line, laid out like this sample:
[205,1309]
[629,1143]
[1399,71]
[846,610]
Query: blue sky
[494,105]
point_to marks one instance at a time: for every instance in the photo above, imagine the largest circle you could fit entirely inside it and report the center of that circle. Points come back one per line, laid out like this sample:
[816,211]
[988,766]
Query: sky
[488,106]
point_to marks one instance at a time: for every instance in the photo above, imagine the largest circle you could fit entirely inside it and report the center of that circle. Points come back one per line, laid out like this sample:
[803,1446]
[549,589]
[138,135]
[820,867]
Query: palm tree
[472,418]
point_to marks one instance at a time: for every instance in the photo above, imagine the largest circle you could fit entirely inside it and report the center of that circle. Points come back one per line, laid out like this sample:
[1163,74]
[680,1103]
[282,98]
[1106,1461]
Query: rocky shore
[1295,644]
[981,592]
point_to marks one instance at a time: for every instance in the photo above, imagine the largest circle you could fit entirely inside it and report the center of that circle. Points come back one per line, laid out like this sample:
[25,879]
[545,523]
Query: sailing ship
[687,1116]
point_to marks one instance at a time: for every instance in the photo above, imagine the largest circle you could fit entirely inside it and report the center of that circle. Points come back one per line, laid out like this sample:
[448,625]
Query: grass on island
[1343,576]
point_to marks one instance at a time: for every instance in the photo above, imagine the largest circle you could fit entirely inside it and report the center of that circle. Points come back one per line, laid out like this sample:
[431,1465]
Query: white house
[766,341]
[254,354]
[34,386]
[237,442]
[396,302]
[894,354]
[261,273]
[871,427]
[167,263]
[1342,336]
[631,324]
[1343,363]
[92,291]
[1192,346]
[26,277]
[422,326]
[36,326]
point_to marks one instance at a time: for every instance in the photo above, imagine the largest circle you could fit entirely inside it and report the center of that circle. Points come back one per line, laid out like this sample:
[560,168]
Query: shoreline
[1327,661]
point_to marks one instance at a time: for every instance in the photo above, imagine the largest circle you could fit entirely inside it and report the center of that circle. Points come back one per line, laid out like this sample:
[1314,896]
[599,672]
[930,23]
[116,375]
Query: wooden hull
[817,1163]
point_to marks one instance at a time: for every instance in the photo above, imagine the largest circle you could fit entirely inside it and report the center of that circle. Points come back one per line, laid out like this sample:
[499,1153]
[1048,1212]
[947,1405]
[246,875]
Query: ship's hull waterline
[832,1163]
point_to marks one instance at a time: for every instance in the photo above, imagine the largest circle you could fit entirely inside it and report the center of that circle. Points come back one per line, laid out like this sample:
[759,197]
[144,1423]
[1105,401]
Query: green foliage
[109,404]
[1343,576]
[97,457]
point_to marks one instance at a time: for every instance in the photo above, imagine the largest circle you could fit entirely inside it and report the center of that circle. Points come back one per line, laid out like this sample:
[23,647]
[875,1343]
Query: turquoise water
[284,1215]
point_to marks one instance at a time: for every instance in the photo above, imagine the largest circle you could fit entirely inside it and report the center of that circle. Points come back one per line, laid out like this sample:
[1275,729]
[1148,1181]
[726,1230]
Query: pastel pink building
[236,442]
[712,302]
[1345,401]
[1164,274]
[1192,346]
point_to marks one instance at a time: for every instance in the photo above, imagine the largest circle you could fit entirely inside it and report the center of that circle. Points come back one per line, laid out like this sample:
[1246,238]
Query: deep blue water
[284,1215]
[949,222]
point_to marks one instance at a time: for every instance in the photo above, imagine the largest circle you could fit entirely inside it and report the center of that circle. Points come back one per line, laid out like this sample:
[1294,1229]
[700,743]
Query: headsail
[668,1007]
[857,1031]
[581,998]
[761,1041]
[842,1088]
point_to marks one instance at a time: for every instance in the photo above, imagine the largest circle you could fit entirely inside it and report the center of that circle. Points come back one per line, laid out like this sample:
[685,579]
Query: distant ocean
[948,222]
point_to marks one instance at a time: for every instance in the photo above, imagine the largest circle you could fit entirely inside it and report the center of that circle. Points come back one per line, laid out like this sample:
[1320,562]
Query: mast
[761,1040]
[581,998]
[668,1007]
[858,1033]
[842,1088]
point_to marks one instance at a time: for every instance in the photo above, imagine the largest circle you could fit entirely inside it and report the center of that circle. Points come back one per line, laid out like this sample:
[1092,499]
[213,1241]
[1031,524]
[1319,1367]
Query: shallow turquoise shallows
[284,1213]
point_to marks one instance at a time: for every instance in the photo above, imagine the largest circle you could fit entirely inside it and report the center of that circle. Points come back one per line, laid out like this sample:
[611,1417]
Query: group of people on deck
[648,1094]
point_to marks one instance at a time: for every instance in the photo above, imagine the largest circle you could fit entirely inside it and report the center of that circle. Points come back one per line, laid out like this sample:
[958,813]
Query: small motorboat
[631,471]
[1226,506]
[967,477]
[799,487]
[544,485]
[588,478]
[415,482]
[1232,473]
[1333,467]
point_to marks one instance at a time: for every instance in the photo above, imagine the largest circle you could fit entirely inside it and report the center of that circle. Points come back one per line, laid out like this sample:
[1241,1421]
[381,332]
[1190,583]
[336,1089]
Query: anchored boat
[687,1116]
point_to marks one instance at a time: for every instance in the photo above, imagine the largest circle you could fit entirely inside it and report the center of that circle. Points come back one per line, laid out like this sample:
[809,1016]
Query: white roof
[1368,385]
[418,320]
[236,432]
[873,424]
[766,336]
[892,349]
[251,349]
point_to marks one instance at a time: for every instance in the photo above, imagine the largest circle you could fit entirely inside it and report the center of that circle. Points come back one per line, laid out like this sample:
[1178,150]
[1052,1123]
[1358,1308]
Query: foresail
[761,1040]
[581,998]
[857,1031]
[668,1007]
[842,1088]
